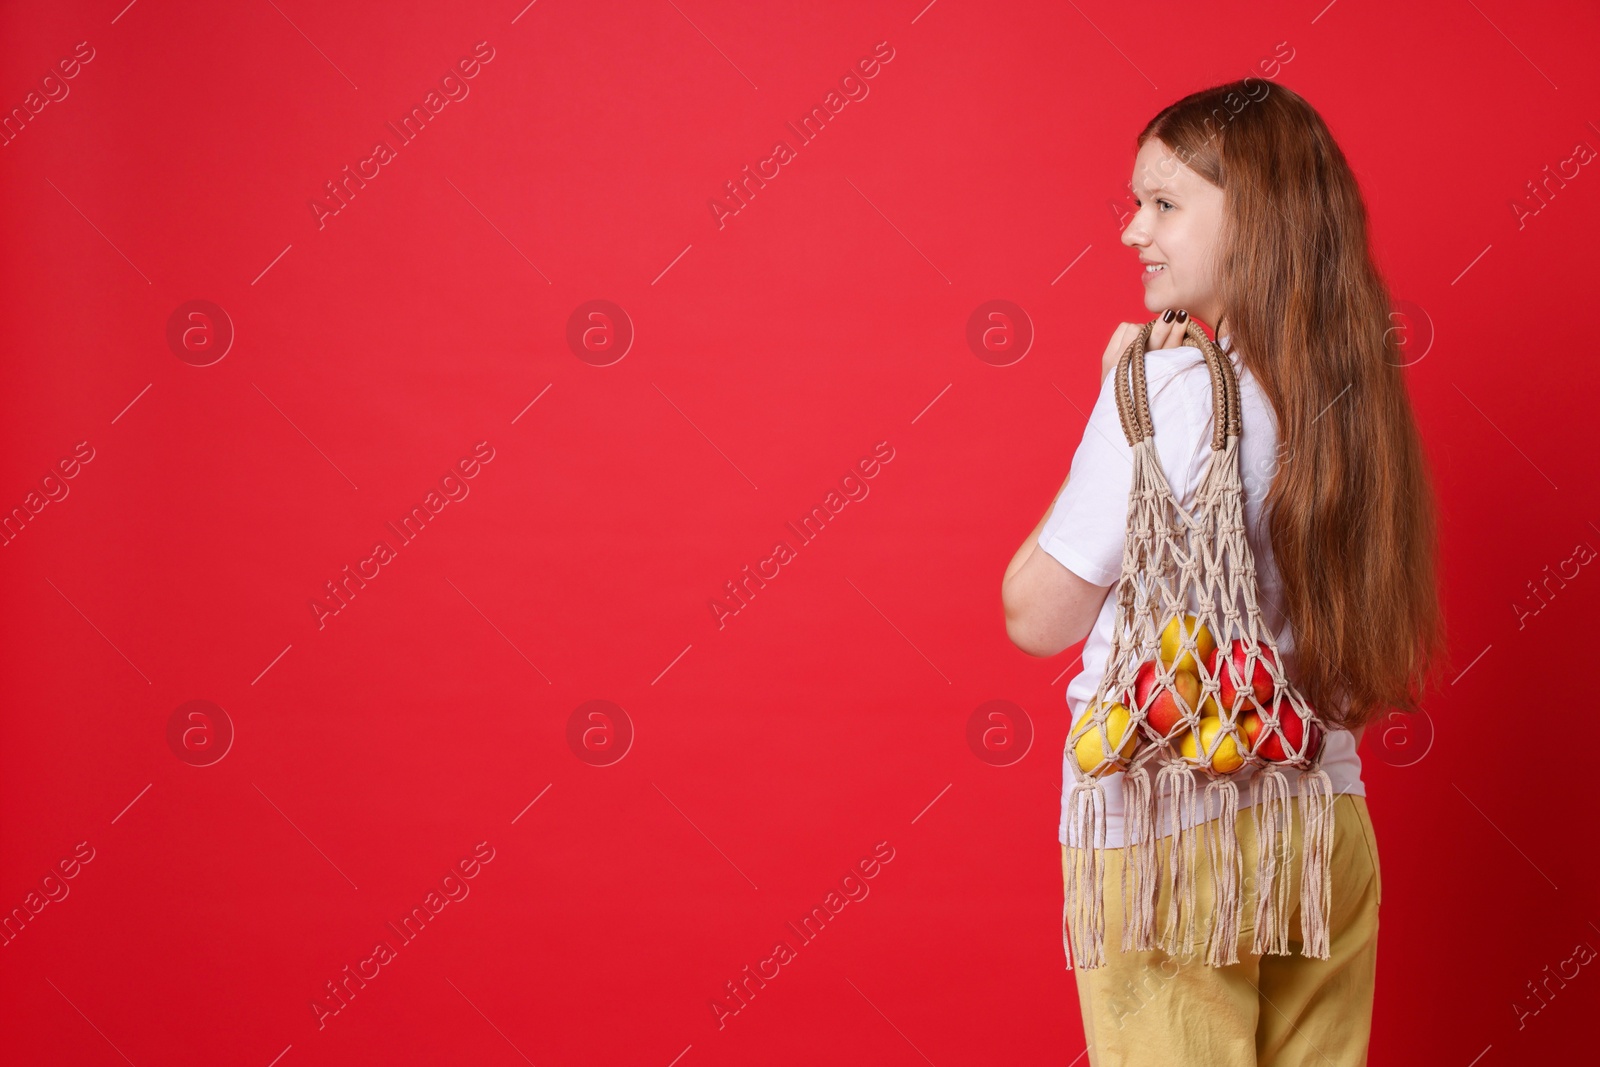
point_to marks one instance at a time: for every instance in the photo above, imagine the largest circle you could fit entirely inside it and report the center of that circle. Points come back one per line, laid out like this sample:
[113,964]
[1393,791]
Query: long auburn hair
[1351,512]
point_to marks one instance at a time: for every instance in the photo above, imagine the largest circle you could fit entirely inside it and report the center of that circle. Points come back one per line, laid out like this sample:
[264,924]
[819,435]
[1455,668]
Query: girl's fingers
[1162,332]
[1125,336]
[1169,333]
[1165,333]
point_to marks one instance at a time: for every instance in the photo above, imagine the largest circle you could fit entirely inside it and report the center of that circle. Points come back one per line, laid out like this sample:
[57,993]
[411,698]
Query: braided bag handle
[1133,401]
[1193,683]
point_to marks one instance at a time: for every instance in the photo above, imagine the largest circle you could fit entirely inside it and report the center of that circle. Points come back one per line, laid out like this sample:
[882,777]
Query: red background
[769,756]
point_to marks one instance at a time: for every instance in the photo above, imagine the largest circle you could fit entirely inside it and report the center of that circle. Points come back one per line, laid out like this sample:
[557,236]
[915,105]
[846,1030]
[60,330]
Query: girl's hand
[1165,334]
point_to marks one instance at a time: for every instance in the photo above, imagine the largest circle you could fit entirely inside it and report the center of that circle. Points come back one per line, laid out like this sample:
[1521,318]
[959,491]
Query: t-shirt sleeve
[1087,527]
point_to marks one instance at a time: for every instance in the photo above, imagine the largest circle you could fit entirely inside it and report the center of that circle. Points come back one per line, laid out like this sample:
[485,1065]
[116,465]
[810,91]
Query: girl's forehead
[1155,169]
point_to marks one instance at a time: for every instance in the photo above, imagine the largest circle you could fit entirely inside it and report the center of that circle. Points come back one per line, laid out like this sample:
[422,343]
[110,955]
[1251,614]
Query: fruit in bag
[1166,711]
[1172,643]
[1225,759]
[1258,690]
[1090,744]
[1278,745]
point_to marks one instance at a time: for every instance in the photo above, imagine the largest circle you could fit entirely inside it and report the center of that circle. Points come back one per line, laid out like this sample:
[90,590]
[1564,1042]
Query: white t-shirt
[1087,528]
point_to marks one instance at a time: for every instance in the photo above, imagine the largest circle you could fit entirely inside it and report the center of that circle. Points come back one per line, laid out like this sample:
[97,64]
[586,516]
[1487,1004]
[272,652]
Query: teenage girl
[1249,220]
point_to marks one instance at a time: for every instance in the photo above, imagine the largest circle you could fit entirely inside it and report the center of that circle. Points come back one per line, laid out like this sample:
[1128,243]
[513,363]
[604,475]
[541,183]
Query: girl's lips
[1146,275]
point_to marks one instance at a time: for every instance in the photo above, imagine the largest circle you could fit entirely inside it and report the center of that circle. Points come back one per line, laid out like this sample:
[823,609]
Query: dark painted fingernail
[1183,316]
[1166,316]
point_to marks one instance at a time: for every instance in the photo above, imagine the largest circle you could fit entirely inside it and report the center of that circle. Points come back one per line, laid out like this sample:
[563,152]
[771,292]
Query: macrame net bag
[1193,683]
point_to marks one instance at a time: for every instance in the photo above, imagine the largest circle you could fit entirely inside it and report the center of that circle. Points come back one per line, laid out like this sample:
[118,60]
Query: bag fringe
[1222,848]
[1177,939]
[1140,866]
[1084,906]
[1273,813]
[1316,873]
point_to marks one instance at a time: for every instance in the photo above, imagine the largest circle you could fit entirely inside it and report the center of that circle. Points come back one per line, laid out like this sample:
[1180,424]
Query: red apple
[1276,745]
[1165,712]
[1225,666]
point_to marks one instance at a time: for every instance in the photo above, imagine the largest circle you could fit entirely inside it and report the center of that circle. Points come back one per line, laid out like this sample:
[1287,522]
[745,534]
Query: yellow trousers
[1151,1008]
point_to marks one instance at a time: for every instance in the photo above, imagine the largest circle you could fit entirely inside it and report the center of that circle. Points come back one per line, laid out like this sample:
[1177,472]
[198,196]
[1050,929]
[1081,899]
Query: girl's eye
[1166,202]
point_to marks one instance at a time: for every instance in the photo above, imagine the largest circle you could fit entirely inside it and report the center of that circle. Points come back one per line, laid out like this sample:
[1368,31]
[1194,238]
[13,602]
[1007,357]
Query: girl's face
[1178,230]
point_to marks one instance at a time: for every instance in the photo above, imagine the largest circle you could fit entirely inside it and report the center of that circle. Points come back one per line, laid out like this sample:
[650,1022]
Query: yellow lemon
[1172,643]
[1091,745]
[1225,760]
